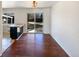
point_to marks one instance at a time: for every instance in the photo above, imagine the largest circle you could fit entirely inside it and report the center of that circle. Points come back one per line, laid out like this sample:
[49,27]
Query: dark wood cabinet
[14,34]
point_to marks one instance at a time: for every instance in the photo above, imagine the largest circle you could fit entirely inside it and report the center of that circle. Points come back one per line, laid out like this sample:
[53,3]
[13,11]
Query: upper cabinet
[8,19]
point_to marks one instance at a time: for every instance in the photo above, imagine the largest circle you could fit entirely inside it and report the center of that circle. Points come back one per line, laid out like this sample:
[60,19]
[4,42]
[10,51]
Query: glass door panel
[39,28]
[30,17]
[30,27]
[35,22]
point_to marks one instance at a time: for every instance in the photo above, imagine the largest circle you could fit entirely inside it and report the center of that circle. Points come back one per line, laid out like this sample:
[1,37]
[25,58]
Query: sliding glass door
[35,22]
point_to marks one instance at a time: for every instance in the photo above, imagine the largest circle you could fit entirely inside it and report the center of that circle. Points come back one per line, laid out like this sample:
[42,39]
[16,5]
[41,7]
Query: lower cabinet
[14,33]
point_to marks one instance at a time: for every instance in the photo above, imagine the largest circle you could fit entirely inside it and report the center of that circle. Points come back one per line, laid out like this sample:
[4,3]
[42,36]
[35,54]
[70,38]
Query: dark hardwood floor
[35,45]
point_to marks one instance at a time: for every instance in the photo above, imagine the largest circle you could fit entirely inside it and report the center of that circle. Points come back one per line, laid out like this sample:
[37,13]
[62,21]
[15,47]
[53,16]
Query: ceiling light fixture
[34,4]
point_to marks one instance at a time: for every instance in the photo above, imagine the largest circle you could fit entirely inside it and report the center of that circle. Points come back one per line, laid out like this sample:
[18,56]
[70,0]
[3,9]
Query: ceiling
[26,4]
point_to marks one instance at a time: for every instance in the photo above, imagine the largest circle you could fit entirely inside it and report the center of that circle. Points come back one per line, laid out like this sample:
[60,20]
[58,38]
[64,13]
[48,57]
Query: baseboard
[3,50]
[60,45]
[19,36]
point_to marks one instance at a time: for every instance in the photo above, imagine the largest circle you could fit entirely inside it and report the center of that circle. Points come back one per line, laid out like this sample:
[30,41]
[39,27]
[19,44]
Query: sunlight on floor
[6,42]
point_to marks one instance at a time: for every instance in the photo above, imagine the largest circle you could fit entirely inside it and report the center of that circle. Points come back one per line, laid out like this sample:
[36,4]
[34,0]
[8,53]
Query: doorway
[35,22]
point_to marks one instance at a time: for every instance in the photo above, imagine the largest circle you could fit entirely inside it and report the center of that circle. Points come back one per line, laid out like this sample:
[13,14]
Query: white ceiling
[26,4]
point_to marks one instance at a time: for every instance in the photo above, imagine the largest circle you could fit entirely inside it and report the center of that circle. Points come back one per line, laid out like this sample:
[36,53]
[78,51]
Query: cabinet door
[13,32]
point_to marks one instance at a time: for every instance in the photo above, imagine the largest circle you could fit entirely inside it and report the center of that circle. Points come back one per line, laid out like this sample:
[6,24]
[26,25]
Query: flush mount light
[34,4]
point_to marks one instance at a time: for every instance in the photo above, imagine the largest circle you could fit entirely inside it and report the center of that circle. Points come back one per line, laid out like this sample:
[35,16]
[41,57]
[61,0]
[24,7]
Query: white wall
[1,28]
[65,26]
[21,16]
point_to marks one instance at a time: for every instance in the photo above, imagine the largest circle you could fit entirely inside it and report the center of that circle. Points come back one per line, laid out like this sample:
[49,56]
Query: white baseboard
[3,50]
[60,45]
[19,36]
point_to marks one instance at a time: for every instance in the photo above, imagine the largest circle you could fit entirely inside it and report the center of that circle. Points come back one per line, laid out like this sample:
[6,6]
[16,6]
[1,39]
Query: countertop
[15,25]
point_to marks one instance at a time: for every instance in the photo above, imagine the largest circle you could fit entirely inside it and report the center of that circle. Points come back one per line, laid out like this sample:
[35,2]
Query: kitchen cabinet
[16,31]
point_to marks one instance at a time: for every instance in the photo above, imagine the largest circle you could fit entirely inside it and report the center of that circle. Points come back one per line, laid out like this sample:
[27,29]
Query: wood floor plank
[35,45]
